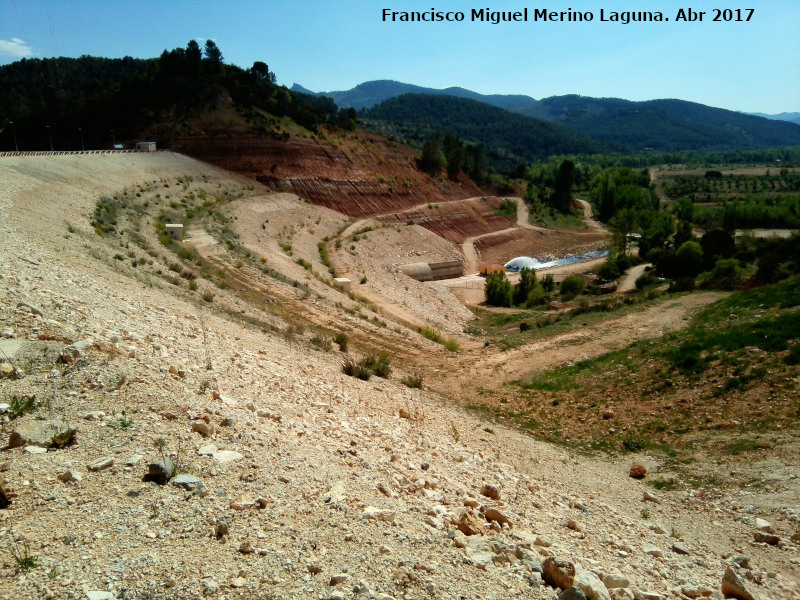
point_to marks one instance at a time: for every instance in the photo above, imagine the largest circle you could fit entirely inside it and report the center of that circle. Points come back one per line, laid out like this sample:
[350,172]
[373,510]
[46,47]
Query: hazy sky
[335,44]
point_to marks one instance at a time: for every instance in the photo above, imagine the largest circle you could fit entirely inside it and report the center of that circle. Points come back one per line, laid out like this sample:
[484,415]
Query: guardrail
[70,152]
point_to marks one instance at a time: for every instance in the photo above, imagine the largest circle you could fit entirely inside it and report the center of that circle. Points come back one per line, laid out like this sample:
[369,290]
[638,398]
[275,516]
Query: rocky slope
[217,459]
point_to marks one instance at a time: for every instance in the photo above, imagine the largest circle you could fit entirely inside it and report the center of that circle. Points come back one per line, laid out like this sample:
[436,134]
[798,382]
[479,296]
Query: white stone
[590,584]
[763,525]
[225,457]
[653,550]
[616,580]
[379,514]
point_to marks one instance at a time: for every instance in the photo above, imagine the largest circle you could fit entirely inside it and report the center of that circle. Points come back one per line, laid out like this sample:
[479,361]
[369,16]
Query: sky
[326,45]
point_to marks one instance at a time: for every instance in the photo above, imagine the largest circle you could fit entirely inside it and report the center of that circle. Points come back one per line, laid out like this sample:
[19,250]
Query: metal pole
[81,132]
[14,131]
[50,135]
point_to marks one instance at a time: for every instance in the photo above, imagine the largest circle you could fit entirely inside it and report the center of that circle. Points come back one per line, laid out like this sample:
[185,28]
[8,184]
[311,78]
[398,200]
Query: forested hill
[665,125]
[509,138]
[93,102]
[627,126]
[368,94]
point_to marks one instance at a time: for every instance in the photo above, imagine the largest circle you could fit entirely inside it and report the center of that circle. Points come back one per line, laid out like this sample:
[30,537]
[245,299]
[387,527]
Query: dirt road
[494,368]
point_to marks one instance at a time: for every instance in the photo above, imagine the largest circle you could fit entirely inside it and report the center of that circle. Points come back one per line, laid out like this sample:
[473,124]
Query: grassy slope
[731,376]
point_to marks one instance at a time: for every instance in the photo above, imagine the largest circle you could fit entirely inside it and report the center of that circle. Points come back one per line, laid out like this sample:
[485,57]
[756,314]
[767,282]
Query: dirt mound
[504,246]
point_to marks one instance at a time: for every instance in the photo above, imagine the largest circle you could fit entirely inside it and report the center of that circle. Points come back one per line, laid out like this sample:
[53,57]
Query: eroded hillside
[356,174]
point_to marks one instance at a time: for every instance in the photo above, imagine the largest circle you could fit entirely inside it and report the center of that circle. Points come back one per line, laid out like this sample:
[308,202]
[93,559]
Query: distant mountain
[367,95]
[509,138]
[665,125]
[792,117]
[623,125]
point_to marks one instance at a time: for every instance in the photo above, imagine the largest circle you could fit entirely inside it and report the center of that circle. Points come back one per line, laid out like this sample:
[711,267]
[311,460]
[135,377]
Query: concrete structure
[449,269]
[487,269]
[174,231]
[346,284]
[434,271]
[146,146]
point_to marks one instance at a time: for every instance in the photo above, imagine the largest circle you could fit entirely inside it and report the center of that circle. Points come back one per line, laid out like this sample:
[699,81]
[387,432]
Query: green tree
[193,57]
[454,153]
[261,72]
[433,161]
[498,290]
[656,229]
[622,225]
[689,259]
[212,52]
[561,199]
[527,283]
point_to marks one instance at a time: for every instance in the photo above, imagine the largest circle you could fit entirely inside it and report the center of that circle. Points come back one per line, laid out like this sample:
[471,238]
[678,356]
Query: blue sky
[335,44]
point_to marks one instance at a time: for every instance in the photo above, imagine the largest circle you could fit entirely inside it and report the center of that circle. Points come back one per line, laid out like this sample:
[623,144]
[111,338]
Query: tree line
[94,102]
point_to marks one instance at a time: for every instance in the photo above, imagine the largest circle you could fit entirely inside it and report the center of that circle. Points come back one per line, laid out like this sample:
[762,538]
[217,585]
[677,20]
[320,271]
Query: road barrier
[71,152]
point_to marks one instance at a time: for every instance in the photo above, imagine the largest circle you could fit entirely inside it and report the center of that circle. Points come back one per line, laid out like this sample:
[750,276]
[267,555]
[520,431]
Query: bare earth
[314,484]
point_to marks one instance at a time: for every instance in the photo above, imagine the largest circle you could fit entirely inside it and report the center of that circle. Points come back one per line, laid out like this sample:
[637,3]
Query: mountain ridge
[665,125]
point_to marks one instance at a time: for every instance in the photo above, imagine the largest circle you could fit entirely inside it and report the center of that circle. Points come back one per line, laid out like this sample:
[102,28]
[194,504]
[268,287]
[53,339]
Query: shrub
[414,381]
[572,286]
[727,275]
[451,345]
[644,280]
[353,368]
[323,342]
[682,284]
[537,296]
[436,336]
[208,296]
[21,405]
[341,340]
[633,444]
[378,364]
[793,358]
[24,561]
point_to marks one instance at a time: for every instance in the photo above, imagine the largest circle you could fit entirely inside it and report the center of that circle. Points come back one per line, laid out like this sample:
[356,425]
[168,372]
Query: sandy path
[628,281]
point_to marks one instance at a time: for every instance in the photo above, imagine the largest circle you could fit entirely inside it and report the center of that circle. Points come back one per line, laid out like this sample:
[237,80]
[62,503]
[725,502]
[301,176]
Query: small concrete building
[146,146]
[346,284]
[487,269]
[174,231]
